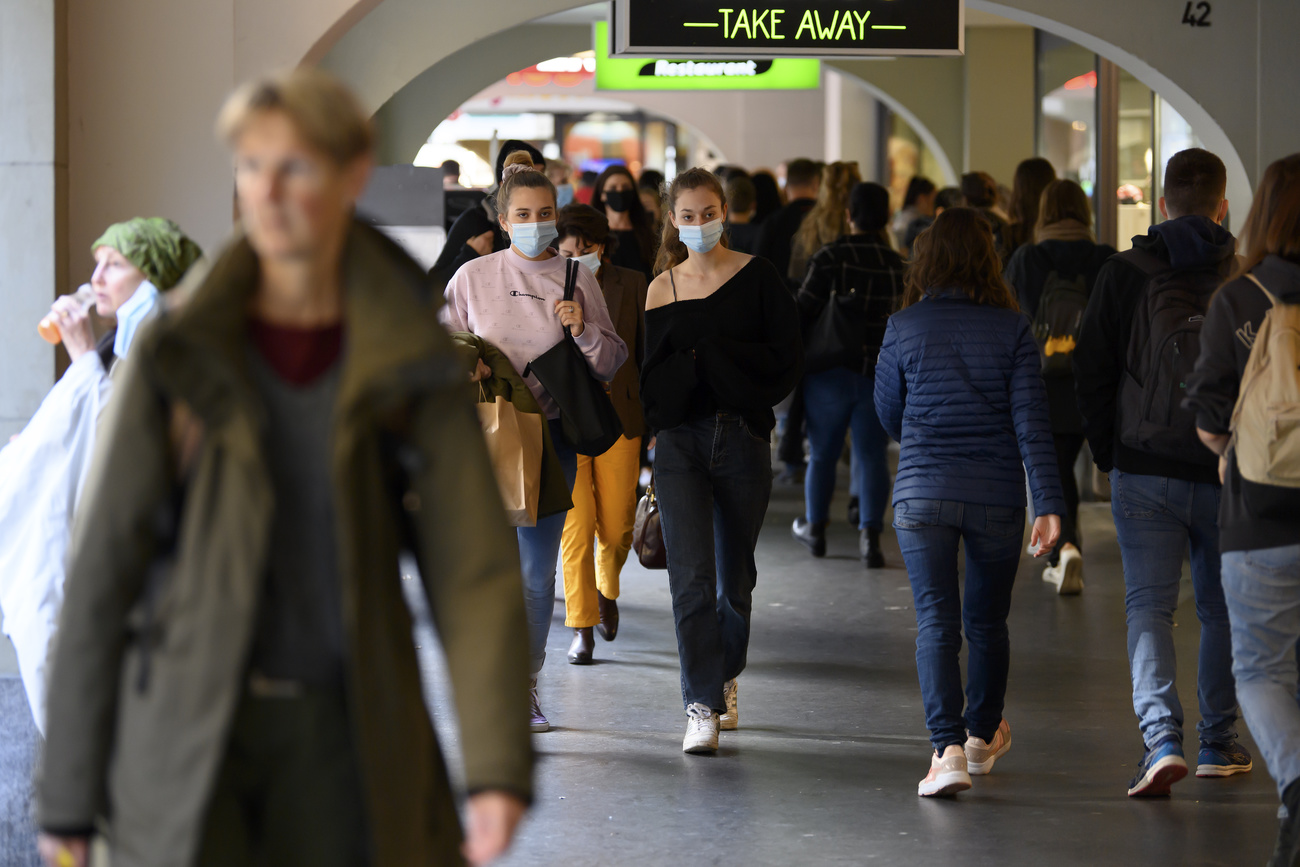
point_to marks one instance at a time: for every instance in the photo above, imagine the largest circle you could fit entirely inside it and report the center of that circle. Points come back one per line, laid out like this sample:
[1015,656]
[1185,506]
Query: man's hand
[1045,535]
[482,244]
[490,822]
[63,851]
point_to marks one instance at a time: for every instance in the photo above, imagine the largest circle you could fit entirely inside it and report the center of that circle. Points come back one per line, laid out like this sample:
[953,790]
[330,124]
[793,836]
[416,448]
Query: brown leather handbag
[647,534]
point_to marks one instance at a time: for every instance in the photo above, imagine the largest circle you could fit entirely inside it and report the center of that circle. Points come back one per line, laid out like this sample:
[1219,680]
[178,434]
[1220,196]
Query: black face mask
[618,201]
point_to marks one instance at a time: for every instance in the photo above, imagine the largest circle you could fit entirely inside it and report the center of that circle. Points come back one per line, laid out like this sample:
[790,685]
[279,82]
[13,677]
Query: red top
[298,355]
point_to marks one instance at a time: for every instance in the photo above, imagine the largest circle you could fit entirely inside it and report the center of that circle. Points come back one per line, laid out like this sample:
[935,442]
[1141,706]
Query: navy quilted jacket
[958,385]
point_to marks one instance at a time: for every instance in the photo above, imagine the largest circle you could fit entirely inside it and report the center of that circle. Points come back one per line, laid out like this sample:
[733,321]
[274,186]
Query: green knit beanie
[156,246]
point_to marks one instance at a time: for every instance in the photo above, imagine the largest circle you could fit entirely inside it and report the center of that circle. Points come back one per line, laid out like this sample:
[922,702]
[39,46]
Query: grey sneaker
[730,721]
[701,730]
[536,721]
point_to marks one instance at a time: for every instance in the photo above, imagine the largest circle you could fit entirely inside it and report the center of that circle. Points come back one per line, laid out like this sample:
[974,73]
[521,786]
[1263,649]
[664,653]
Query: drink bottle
[49,329]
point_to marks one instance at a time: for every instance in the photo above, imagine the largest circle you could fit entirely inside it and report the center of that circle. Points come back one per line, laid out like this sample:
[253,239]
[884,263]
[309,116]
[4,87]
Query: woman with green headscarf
[42,470]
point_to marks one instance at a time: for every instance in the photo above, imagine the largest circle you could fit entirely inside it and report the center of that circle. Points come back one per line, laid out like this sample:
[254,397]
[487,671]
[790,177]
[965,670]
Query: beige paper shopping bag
[514,441]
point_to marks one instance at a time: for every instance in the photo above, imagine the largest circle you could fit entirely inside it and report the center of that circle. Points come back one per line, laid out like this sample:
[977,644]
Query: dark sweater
[737,350]
[1251,516]
[776,235]
[628,254]
[866,265]
[1101,357]
[1027,272]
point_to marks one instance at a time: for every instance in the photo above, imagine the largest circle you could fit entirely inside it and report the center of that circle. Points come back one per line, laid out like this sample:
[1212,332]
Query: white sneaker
[1067,575]
[730,721]
[947,775]
[701,730]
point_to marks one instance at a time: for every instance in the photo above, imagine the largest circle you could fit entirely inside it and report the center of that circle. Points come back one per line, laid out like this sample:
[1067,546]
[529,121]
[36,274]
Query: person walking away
[827,220]
[617,198]
[945,199]
[605,487]
[742,201]
[650,186]
[980,191]
[1245,385]
[235,679]
[514,300]
[1053,279]
[43,470]
[918,202]
[863,276]
[1032,177]
[767,197]
[723,348]
[958,387]
[1138,344]
[776,233]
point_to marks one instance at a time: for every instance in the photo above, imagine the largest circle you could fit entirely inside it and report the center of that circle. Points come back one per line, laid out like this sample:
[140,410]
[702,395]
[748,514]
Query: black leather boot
[869,548]
[811,535]
[608,626]
[582,647]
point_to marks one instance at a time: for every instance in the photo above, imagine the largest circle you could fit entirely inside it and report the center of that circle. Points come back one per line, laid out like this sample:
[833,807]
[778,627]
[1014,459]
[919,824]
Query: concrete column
[999,99]
[858,132]
[33,175]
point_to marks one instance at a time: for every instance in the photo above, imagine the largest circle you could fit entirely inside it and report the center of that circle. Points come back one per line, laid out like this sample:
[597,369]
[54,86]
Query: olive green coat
[553,496]
[141,754]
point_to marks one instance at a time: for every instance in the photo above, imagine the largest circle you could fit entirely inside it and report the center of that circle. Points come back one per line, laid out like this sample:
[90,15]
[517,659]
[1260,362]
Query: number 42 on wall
[1189,14]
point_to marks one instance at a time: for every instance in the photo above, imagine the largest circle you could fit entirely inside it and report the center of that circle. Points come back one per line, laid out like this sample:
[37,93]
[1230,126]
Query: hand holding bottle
[69,322]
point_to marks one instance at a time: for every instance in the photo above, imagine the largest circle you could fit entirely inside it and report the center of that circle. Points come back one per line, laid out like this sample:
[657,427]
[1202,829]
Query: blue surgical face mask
[129,316]
[532,239]
[701,239]
[563,195]
[591,261]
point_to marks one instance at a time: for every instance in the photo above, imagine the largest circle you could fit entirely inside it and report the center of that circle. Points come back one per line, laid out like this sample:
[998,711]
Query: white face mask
[703,238]
[532,239]
[591,261]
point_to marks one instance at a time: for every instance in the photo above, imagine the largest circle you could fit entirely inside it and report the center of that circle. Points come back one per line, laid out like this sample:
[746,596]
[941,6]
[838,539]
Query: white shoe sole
[700,748]
[979,769]
[538,728]
[1223,770]
[1072,583]
[945,784]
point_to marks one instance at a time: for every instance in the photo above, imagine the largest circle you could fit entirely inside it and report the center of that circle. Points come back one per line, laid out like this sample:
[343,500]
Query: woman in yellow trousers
[598,532]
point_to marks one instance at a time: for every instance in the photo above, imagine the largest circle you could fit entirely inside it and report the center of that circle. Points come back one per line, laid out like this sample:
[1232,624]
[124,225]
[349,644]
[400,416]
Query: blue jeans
[1159,520]
[539,551]
[1263,593]
[713,478]
[836,401]
[928,534]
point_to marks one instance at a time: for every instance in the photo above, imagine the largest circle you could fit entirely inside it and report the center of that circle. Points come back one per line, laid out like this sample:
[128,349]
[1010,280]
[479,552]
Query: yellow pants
[604,507]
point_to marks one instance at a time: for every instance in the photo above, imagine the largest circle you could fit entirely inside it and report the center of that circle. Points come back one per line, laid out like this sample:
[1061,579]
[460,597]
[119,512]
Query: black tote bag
[587,415]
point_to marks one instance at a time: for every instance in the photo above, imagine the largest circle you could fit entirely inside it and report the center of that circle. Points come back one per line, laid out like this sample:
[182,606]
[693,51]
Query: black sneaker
[1287,851]
[869,548]
[811,535]
[855,512]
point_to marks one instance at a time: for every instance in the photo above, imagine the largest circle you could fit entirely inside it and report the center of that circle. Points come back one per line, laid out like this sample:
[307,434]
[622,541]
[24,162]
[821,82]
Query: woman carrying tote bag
[515,299]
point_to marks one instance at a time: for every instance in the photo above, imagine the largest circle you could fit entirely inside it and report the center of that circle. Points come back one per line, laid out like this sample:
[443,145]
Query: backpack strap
[1148,263]
[1272,299]
[571,267]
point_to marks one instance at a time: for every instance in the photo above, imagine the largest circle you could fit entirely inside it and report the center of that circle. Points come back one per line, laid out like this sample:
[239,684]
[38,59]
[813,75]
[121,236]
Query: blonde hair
[672,252]
[828,218]
[518,172]
[323,110]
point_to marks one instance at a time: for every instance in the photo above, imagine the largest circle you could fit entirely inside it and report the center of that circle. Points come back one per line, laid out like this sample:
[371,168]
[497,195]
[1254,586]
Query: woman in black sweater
[723,348]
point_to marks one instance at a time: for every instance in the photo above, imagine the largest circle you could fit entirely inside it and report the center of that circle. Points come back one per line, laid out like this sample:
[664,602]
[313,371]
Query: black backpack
[1162,351]
[1058,320]
[851,326]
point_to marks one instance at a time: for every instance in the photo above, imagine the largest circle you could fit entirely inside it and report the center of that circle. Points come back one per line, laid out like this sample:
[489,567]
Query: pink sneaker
[947,775]
[980,754]
[536,721]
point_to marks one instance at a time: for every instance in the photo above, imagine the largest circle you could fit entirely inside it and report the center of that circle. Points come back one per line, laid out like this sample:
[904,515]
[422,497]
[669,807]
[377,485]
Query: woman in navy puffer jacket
[958,385]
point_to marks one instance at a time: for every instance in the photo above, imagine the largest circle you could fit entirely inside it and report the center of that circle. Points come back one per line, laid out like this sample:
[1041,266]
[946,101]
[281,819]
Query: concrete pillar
[999,99]
[33,177]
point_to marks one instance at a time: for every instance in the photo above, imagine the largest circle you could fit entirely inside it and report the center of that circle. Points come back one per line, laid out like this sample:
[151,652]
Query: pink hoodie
[509,301]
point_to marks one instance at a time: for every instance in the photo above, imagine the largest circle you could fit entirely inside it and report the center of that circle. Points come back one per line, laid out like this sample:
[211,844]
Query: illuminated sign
[623,73]
[814,28]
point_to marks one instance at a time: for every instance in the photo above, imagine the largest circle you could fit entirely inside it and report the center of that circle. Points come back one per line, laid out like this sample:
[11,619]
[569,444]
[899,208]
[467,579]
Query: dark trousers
[928,533]
[288,790]
[1067,452]
[713,479]
[790,450]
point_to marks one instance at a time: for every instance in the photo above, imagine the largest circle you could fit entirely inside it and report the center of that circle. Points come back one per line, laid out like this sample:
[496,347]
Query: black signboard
[786,28]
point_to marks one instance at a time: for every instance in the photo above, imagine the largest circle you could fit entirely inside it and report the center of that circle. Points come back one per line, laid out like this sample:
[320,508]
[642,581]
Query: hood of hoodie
[1189,242]
[1281,277]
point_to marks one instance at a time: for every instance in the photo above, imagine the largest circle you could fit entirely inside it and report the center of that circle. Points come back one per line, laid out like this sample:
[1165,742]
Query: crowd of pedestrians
[234,679]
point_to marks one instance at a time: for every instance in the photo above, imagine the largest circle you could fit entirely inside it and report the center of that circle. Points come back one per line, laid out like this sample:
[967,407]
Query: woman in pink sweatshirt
[514,299]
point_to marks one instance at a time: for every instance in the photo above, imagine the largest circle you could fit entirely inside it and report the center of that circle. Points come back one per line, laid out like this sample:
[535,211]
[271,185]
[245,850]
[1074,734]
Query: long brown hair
[1032,177]
[828,219]
[672,252]
[1273,224]
[957,252]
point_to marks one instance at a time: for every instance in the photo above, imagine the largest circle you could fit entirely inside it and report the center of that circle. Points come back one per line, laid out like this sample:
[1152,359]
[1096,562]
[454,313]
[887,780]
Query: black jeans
[1067,452]
[713,478]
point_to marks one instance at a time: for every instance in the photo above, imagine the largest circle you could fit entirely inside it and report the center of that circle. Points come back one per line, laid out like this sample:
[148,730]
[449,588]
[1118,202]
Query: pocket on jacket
[916,514]
[1140,497]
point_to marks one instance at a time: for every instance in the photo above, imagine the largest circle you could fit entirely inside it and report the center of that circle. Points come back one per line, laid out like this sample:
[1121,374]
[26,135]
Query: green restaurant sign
[732,73]
[786,28]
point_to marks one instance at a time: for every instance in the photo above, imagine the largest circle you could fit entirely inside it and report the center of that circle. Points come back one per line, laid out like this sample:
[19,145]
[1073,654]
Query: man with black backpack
[1138,345]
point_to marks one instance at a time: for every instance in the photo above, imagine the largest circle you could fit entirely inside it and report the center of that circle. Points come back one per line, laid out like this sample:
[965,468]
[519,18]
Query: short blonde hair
[325,112]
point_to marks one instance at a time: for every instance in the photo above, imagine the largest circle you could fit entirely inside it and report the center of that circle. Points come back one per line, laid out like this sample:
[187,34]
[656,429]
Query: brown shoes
[582,647]
[608,617]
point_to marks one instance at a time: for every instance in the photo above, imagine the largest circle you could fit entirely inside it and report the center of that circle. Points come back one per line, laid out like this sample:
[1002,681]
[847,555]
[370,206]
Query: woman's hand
[63,851]
[481,372]
[490,822]
[74,326]
[570,313]
[1045,535]
[481,244]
